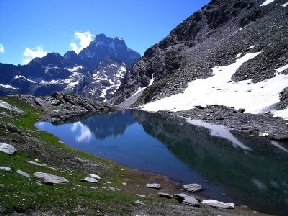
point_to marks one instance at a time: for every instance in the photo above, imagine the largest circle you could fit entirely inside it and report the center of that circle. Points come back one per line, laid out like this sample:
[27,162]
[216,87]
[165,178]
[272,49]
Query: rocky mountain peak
[103,46]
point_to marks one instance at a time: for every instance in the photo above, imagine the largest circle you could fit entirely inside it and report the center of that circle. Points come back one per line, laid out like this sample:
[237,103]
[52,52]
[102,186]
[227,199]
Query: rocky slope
[68,73]
[60,107]
[219,34]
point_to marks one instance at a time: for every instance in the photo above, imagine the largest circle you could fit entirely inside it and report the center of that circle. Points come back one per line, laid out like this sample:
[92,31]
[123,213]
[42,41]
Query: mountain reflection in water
[247,170]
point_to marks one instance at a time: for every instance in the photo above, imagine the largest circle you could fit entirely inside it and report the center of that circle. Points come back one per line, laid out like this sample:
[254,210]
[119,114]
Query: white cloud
[2,50]
[85,133]
[84,40]
[32,53]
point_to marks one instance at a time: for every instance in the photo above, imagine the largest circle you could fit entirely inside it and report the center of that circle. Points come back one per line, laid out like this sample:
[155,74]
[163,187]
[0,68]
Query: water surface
[232,167]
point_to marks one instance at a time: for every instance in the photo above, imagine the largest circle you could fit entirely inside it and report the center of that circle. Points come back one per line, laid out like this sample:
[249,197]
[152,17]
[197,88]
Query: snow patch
[266,2]
[279,70]
[219,131]
[29,80]
[7,86]
[284,5]
[221,90]
[74,69]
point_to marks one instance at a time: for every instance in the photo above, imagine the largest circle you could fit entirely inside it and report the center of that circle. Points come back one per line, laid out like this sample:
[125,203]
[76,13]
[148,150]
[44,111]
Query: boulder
[7,148]
[95,176]
[186,199]
[49,178]
[23,173]
[217,204]
[90,179]
[154,185]
[192,187]
[166,195]
[7,169]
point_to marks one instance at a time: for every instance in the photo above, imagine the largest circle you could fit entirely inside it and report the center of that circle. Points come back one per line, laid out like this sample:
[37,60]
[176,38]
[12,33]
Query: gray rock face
[186,199]
[217,204]
[192,187]
[49,178]
[7,148]
[63,106]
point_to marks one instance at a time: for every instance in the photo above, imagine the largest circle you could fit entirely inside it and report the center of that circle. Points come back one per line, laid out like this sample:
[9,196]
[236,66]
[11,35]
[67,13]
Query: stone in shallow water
[154,185]
[23,173]
[49,178]
[217,204]
[90,179]
[186,199]
[192,187]
[7,148]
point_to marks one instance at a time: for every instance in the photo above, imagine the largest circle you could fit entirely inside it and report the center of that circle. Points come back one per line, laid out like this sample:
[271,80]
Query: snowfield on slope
[219,89]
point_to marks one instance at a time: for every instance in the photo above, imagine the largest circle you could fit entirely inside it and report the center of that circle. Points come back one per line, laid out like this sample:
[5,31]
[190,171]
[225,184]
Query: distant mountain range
[96,72]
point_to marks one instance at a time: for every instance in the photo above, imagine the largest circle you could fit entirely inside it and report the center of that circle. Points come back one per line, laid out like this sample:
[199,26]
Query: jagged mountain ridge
[218,34]
[103,81]
[54,72]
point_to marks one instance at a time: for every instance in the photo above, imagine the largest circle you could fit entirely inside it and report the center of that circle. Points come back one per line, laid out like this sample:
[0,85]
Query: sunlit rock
[217,204]
[186,199]
[7,169]
[90,179]
[7,148]
[95,176]
[49,178]
[154,185]
[23,173]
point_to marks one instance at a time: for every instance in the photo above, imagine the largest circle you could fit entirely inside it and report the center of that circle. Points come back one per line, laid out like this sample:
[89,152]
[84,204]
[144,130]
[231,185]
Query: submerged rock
[7,148]
[192,187]
[217,204]
[49,178]
[154,185]
[186,199]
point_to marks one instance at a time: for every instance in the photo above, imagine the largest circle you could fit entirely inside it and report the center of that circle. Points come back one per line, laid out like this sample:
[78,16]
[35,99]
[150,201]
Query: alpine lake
[231,166]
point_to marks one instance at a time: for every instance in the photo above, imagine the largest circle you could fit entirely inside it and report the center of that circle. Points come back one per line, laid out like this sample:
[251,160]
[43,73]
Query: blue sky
[30,28]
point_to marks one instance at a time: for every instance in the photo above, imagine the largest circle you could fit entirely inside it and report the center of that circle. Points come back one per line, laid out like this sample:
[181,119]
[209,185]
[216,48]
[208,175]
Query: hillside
[231,53]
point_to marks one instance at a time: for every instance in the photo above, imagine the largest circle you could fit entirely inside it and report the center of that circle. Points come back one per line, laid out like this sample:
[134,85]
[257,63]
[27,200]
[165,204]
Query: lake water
[250,171]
